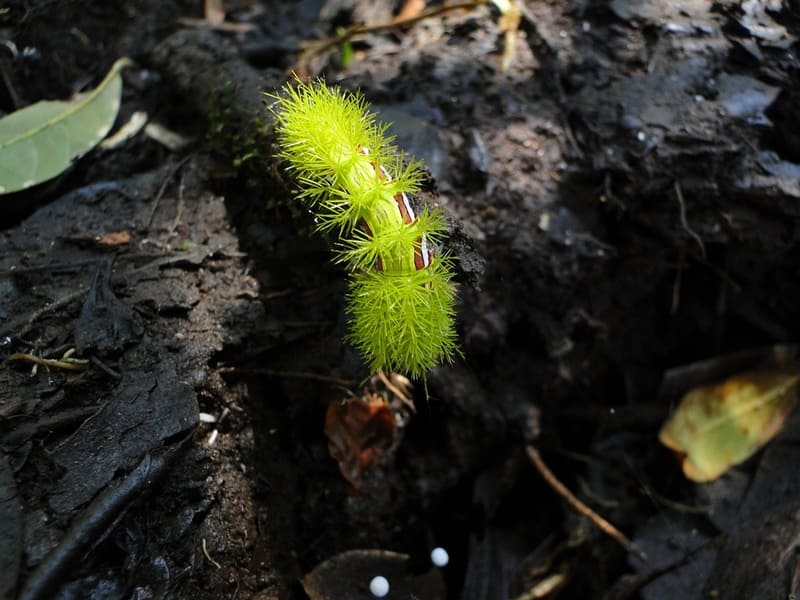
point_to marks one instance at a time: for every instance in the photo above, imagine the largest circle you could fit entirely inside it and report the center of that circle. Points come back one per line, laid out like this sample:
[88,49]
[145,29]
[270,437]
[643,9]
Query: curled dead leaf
[360,431]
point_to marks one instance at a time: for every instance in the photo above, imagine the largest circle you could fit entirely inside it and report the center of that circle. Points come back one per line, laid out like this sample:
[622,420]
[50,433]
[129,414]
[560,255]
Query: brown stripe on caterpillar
[400,198]
[404,206]
[423,254]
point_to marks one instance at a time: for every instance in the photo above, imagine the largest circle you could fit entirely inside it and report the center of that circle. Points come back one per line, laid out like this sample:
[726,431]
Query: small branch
[685,223]
[154,204]
[21,326]
[70,364]
[396,391]
[208,556]
[313,48]
[288,374]
[587,512]
[179,211]
[225,26]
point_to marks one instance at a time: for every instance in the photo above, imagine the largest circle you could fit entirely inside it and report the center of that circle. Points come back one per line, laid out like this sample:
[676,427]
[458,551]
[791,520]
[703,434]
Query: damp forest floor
[623,198]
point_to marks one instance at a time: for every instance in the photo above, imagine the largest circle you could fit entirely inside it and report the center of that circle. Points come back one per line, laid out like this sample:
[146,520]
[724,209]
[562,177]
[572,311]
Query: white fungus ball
[379,586]
[439,557]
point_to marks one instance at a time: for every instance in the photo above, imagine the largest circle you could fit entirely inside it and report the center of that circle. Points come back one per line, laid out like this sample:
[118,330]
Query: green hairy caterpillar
[401,300]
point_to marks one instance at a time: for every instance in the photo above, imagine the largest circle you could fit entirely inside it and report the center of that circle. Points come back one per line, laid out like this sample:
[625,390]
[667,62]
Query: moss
[245,145]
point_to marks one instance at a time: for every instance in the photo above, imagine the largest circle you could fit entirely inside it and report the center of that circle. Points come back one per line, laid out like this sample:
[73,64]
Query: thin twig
[208,556]
[685,223]
[93,523]
[104,367]
[310,49]
[396,391]
[587,512]
[288,374]
[225,26]
[179,209]
[154,205]
[69,364]
[21,326]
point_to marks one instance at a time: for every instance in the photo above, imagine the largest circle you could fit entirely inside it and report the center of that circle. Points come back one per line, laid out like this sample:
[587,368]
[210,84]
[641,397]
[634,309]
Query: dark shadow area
[630,186]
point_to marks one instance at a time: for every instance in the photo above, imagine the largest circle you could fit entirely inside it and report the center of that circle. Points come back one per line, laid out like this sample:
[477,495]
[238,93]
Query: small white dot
[641,136]
[379,586]
[439,557]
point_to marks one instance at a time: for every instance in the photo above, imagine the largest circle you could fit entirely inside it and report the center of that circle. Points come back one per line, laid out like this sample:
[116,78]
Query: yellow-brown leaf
[720,425]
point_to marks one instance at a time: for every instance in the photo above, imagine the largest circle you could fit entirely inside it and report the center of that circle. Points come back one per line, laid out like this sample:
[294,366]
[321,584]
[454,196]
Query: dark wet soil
[623,199]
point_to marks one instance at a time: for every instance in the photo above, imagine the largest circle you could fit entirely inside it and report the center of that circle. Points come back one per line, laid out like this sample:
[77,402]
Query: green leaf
[718,426]
[40,141]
